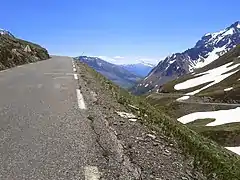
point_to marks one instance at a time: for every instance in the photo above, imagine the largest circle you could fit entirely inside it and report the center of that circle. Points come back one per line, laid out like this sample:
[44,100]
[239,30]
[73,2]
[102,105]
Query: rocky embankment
[15,51]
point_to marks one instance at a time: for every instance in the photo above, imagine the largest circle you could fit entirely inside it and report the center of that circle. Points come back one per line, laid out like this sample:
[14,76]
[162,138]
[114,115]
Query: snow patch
[146,85]
[207,34]
[212,56]
[228,32]
[170,62]
[228,89]
[221,117]
[212,77]
[234,149]
[183,98]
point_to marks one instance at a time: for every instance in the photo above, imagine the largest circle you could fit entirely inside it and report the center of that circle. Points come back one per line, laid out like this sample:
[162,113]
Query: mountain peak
[235,25]
[209,48]
[5,32]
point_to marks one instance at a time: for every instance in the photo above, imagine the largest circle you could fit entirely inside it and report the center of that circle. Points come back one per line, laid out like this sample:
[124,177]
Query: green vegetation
[227,135]
[12,52]
[215,160]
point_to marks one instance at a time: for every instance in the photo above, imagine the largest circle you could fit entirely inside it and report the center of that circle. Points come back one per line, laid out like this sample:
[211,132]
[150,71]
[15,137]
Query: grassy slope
[215,160]
[12,52]
[215,91]
[225,135]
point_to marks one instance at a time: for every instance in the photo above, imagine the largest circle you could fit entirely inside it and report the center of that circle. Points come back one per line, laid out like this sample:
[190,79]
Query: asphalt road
[43,132]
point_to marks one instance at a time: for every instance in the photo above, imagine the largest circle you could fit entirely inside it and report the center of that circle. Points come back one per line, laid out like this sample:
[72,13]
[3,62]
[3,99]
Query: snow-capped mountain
[141,69]
[4,32]
[210,47]
[219,79]
[113,72]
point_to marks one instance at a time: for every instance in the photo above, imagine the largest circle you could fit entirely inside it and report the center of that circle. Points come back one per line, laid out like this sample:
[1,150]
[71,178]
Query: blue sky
[131,29]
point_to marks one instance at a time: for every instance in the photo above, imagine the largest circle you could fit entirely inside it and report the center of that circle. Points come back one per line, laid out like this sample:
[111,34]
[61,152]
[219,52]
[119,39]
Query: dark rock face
[115,73]
[15,51]
[207,49]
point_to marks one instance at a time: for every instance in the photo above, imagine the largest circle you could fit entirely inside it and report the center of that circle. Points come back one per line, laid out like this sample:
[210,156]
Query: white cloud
[108,59]
[130,60]
[118,57]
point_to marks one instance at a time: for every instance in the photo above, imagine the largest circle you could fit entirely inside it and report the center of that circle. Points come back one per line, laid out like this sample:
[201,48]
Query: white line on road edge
[75,76]
[91,173]
[74,69]
[81,103]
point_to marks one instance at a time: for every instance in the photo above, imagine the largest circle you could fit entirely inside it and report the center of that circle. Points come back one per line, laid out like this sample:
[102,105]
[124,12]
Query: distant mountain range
[141,69]
[116,73]
[209,48]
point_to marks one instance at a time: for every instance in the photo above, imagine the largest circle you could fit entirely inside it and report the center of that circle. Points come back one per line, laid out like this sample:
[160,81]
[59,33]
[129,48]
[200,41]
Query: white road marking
[91,173]
[81,103]
[74,69]
[75,76]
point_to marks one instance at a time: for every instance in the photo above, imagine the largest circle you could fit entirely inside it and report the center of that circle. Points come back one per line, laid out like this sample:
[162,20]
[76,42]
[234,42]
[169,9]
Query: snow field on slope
[234,149]
[212,56]
[212,77]
[221,117]
[183,98]
[228,89]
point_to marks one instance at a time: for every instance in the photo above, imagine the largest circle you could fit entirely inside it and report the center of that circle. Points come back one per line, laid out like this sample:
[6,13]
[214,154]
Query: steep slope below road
[15,51]
[158,145]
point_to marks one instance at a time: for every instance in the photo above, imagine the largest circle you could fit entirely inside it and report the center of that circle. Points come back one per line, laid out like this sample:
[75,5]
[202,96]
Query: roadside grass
[216,161]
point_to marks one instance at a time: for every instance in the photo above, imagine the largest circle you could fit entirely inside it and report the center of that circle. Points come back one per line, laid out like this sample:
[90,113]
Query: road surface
[45,133]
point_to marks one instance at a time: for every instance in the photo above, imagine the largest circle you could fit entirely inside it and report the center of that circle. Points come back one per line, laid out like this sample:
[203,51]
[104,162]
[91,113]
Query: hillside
[206,156]
[115,73]
[218,80]
[15,51]
[210,47]
[207,100]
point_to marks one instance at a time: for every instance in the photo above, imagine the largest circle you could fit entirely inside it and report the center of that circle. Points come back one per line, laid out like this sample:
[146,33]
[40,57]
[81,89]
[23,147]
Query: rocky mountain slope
[15,51]
[115,73]
[219,79]
[210,47]
[141,69]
